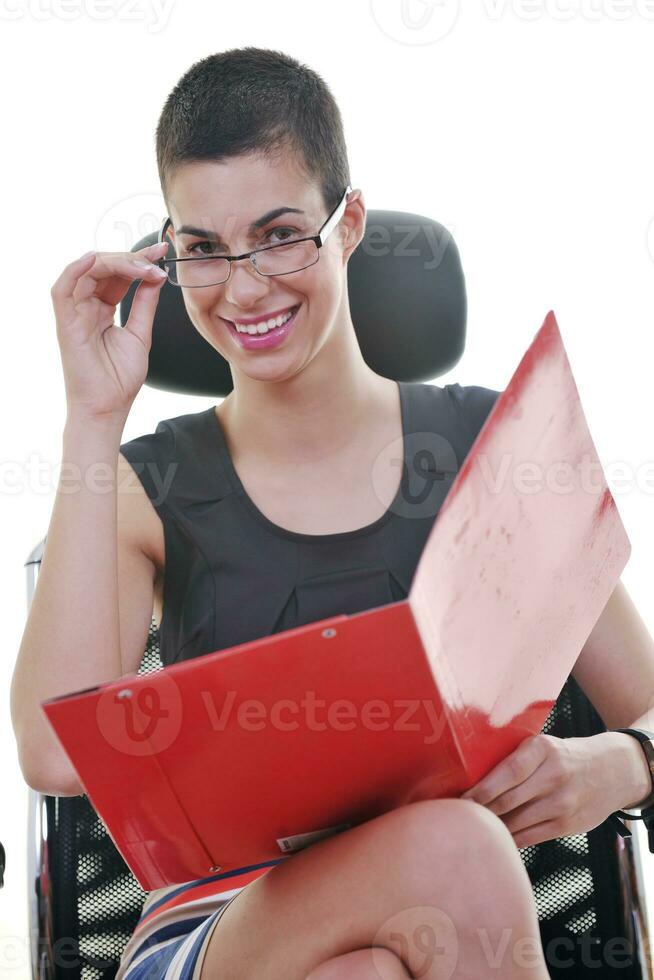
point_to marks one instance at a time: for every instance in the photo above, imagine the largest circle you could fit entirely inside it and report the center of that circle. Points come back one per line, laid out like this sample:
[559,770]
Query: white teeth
[264,325]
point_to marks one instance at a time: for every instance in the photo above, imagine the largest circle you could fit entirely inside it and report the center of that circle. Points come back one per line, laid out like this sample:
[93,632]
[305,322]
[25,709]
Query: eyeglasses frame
[319,239]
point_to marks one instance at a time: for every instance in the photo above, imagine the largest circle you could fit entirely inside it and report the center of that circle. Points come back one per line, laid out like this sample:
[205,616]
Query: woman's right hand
[105,365]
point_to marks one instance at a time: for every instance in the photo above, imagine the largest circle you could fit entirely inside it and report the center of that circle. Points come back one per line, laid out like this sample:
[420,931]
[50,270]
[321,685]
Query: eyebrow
[254,226]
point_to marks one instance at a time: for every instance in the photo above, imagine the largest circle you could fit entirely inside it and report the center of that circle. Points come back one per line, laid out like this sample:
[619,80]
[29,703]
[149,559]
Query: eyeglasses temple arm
[335,218]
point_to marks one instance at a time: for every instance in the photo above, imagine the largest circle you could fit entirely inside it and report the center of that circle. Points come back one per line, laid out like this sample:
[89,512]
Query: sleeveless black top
[231,575]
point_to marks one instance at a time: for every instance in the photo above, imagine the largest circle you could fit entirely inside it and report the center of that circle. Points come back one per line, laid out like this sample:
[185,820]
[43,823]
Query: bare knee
[461,857]
[459,831]
[460,864]
[377,963]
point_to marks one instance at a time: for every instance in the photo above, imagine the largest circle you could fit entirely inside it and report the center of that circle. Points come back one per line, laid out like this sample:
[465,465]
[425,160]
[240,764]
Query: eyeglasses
[272,260]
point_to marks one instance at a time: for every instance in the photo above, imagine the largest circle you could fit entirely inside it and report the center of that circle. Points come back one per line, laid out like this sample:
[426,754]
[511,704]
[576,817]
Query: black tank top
[232,575]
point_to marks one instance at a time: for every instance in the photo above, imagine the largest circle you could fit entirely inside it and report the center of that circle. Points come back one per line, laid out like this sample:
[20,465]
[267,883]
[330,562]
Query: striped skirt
[171,937]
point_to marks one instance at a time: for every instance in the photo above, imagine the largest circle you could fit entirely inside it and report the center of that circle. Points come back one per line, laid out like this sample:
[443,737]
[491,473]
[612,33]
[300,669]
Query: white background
[525,128]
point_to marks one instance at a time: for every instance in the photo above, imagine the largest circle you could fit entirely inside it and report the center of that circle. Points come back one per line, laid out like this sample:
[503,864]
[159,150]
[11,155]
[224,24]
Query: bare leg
[362,964]
[439,883]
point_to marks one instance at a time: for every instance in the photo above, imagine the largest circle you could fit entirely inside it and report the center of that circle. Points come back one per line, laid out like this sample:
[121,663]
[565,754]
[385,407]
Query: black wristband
[646,740]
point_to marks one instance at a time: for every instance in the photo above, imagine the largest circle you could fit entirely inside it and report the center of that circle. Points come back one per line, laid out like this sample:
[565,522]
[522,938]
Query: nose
[245,285]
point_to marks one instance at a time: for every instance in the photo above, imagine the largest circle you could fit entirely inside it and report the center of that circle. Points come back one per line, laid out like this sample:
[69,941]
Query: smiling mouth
[246,328]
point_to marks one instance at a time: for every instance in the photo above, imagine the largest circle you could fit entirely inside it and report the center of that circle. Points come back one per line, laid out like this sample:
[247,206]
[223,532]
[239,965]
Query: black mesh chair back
[408,304]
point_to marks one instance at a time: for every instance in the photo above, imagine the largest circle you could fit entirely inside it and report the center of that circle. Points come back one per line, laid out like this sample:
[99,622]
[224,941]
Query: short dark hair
[254,100]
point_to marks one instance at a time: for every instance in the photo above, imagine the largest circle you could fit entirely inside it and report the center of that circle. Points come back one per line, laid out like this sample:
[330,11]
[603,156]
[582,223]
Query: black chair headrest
[407,300]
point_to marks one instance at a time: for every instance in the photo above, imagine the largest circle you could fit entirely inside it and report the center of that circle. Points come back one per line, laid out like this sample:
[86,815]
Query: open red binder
[245,755]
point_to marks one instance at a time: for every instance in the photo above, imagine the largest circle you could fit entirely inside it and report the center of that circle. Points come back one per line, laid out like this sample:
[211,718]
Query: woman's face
[225,199]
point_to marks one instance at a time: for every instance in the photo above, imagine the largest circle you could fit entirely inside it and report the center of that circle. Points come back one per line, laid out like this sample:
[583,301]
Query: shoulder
[165,436]
[156,456]
[473,402]
[469,405]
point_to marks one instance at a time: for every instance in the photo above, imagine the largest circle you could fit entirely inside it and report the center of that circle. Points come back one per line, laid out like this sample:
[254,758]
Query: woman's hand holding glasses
[105,365]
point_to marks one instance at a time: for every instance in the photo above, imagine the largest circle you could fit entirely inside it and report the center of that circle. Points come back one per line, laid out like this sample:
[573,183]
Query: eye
[192,248]
[293,231]
[220,248]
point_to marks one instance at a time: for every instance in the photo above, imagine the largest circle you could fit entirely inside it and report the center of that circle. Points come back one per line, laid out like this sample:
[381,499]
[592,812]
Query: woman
[251,154]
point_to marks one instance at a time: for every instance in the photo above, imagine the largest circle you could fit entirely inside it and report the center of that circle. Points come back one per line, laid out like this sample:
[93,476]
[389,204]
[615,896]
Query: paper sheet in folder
[244,755]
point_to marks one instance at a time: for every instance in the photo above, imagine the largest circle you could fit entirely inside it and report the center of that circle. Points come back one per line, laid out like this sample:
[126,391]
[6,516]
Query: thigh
[335,896]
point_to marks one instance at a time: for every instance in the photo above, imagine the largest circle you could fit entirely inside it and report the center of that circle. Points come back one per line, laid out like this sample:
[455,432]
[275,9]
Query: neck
[325,410]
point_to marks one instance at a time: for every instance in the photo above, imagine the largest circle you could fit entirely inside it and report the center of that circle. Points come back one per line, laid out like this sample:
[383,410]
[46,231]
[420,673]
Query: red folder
[242,756]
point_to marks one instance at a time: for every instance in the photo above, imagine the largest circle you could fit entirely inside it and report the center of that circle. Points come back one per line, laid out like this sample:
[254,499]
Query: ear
[352,226]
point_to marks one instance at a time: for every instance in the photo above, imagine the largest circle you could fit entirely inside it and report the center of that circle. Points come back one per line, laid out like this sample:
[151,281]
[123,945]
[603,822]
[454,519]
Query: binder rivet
[215,867]
[125,693]
[328,633]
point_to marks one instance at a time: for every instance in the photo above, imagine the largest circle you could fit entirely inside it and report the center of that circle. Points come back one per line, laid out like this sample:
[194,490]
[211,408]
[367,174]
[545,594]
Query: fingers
[109,265]
[62,290]
[146,295]
[134,264]
[79,278]
[141,313]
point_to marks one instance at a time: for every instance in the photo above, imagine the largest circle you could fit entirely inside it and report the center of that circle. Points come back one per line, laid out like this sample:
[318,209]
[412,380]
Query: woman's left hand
[552,787]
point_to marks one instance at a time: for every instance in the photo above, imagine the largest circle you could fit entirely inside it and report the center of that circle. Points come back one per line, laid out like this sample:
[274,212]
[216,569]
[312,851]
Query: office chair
[408,303]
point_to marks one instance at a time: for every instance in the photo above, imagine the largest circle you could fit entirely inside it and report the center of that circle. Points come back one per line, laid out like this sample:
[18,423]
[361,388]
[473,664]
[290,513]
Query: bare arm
[72,638]
[615,668]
